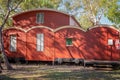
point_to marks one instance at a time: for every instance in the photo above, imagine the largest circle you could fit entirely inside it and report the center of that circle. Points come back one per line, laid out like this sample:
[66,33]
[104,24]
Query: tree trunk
[0,64]
[0,67]
[0,70]
[9,67]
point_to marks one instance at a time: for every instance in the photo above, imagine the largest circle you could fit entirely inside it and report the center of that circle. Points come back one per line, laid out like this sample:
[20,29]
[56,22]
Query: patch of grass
[78,76]
[28,72]
[26,76]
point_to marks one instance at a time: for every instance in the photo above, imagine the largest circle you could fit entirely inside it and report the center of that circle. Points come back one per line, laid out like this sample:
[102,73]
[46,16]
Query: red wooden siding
[47,53]
[86,45]
[97,47]
[53,19]
[74,51]
[21,42]
[57,27]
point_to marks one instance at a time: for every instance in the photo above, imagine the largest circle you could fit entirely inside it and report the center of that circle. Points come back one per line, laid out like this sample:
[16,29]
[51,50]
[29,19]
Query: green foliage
[113,13]
[30,4]
[84,22]
[6,5]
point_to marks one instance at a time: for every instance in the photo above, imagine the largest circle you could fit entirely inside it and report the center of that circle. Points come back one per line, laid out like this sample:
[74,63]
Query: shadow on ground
[4,77]
[83,75]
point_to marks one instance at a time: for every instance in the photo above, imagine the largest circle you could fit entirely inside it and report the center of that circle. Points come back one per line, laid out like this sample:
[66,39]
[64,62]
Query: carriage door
[110,47]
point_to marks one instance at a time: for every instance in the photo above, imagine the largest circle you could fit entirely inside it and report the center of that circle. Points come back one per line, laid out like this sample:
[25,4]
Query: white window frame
[40,18]
[13,43]
[40,42]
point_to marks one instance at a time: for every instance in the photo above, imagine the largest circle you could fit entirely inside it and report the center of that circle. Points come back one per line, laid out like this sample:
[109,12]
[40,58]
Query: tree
[84,22]
[88,10]
[113,13]
[30,4]
[6,8]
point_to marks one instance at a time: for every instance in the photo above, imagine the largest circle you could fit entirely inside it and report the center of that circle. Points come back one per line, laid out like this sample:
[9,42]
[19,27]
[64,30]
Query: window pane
[13,42]
[40,18]
[40,42]
[69,41]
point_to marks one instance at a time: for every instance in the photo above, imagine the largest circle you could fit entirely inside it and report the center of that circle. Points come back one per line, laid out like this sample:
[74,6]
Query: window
[40,18]
[40,42]
[68,41]
[110,41]
[13,42]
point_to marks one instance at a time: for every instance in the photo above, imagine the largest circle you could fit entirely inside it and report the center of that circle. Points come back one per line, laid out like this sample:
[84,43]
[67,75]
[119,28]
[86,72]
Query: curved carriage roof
[47,9]
[41,9]
[103,25]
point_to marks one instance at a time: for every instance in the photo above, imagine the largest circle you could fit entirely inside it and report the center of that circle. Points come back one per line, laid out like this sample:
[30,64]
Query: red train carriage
[101,43]
[49,35]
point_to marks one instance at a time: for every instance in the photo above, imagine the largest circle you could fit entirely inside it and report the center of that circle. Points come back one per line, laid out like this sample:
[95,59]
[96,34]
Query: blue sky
[104,20]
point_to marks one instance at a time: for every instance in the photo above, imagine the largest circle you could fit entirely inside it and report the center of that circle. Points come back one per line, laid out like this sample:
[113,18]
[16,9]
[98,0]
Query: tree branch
[8,12]
[5,19]
[20,1]
[8,5]
[101,13]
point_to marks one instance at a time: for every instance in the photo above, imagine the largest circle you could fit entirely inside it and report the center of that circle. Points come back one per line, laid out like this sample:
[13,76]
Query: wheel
[77,61]
[59,60]
[116,66]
